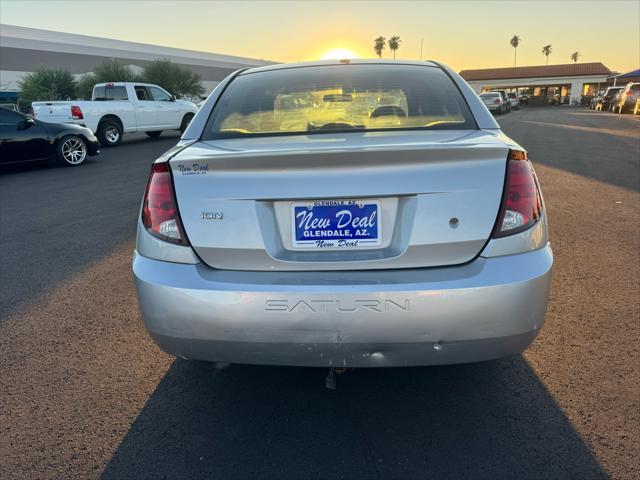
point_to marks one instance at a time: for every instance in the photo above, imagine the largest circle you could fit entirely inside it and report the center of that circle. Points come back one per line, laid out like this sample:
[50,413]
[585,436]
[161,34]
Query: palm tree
[574,56]
[515,41]
[394,44]
[378,45]
[546,50]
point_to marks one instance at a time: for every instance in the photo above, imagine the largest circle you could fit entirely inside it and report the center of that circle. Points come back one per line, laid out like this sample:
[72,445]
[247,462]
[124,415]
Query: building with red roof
[564,83]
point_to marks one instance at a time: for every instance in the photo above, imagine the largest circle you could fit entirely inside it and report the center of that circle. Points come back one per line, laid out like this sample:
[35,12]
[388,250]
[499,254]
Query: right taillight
[521,205]
[159,208]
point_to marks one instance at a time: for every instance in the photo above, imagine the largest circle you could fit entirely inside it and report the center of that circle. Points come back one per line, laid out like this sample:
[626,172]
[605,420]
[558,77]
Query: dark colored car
[25,139]
[626,99]
[606,100]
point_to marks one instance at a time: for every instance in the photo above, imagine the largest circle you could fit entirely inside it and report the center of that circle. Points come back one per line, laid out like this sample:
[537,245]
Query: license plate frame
[347,228]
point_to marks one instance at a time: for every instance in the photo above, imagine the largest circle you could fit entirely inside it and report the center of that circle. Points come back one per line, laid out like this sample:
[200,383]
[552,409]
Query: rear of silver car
[438,252]
[493,101]
[514,99]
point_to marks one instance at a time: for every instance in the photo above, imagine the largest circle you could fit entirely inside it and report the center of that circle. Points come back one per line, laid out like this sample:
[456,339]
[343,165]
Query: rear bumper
[486,309]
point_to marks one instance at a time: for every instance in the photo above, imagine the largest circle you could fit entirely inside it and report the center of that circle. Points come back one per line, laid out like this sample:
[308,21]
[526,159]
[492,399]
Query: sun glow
[339,54]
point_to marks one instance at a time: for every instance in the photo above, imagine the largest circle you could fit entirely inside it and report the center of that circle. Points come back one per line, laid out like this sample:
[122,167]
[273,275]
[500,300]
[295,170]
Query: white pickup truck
[121,107]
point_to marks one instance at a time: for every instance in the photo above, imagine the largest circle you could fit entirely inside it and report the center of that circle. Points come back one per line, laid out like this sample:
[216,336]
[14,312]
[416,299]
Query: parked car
[585,100]
[605,101]
[627,97]
[614,101]
[121,107]
[595,99]
[494,102]
[636,108]
[514,100]
[505,99]
[25,139]
[415,236]
[524,99]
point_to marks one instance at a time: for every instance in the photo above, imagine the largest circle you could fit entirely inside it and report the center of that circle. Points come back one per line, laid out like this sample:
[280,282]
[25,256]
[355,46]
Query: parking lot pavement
[599,145]
[84,392]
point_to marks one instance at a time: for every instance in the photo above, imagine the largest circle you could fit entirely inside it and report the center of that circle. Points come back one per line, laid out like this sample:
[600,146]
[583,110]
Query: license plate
[336,224]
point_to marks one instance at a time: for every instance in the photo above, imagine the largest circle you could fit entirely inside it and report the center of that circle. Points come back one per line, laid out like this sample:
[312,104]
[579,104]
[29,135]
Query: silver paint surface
[482,310]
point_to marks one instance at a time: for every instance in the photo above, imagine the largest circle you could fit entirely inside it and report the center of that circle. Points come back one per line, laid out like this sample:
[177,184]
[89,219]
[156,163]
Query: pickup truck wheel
[153,134]
[71,151]
[185,122]
[110,133]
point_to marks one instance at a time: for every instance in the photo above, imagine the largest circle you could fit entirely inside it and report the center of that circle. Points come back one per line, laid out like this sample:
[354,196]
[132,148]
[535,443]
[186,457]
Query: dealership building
[545,83]
[23,49]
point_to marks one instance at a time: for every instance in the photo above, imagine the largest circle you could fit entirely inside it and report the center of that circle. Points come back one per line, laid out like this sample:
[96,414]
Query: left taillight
[76,112]
[521,205]
[159,208]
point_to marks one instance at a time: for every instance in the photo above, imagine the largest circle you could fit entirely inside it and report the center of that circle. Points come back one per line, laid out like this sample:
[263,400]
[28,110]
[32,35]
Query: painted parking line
[604,131]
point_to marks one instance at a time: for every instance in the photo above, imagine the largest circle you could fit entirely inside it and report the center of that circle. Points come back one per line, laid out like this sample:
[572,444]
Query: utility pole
[421,44]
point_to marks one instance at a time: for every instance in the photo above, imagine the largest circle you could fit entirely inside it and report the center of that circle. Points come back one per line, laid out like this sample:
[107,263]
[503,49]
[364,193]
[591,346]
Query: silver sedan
[343,214]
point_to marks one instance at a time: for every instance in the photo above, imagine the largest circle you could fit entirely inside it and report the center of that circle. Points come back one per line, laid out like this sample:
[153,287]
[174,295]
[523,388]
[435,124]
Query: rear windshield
[110,92]
[338,98]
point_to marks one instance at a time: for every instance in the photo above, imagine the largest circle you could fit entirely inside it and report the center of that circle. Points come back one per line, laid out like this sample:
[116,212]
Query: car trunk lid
[438,194]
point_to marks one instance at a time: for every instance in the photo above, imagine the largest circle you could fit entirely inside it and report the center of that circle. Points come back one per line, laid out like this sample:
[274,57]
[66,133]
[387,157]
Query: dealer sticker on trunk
[336,224]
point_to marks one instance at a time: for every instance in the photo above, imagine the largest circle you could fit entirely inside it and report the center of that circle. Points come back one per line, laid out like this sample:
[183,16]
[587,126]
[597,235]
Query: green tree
[107,71]
[47,84]
[546,51]
[180,81]
[515,42]
[378,45]
[574,56]
[394,44]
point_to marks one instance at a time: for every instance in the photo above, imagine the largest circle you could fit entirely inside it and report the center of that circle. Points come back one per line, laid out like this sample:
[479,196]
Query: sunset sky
[462,34]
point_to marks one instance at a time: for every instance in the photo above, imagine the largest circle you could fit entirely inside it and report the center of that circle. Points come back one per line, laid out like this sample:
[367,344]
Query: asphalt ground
[84,392]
